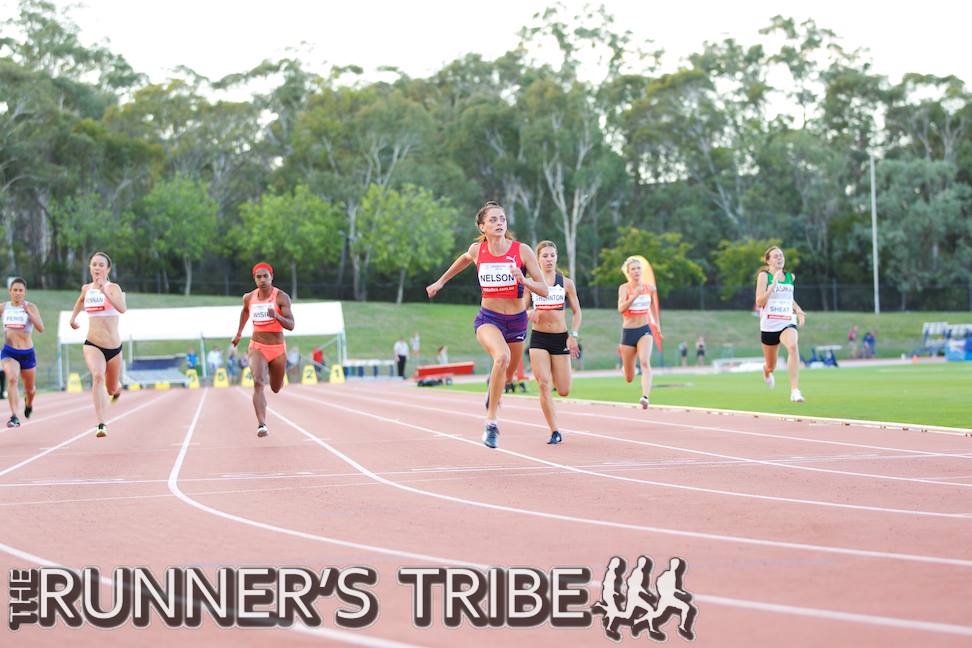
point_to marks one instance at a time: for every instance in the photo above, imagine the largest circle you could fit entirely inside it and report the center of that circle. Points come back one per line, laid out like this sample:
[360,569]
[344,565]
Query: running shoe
[115,397]
[555,438]
[262,430]
[491,435]
[644,402]
[770,380]
[102,430]
[796,396]
[28,410]
[13,421]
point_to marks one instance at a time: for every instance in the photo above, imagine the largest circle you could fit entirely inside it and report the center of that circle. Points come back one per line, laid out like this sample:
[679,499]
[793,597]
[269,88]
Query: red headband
[262,265]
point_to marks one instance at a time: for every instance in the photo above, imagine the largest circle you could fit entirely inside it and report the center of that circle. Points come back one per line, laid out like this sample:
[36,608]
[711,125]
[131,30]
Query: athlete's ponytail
[481,218]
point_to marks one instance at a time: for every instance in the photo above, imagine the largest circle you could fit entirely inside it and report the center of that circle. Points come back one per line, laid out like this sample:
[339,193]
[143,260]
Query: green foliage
[404,232]
[667,254]
[297,229]
[738,261]
[924,224]
[578,146]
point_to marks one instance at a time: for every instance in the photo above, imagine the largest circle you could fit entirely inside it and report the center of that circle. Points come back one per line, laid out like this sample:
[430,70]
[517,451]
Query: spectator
[870,345]
[192,360]
[401,355]
[442,356]
[232,362]
[214,359]
[852,341]
[293,362]
[700,351]
[317,359]
[683,352]
[416,343]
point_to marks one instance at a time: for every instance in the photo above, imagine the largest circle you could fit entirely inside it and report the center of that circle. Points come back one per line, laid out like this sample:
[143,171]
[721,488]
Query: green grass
[373,328]
[931,394]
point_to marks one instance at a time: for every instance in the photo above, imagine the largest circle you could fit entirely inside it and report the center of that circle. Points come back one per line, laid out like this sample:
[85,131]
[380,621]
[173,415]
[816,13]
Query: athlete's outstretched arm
[465,259]
[78,305]
[35,317]
[244,315]
[575,307]
[800,313]
[537,283]
[283,313]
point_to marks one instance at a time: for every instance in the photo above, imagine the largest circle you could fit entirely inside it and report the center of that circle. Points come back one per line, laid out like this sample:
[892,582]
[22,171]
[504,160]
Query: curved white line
[649,482]
[958,562]
[76,437]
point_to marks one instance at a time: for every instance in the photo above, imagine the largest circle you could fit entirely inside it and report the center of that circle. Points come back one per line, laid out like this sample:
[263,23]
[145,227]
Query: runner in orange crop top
[269,308]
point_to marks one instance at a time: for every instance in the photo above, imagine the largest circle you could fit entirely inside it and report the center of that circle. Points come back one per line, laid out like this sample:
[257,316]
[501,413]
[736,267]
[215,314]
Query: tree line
[353,183]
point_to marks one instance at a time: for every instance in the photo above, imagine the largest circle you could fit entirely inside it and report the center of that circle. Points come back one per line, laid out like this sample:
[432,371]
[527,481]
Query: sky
[218,37]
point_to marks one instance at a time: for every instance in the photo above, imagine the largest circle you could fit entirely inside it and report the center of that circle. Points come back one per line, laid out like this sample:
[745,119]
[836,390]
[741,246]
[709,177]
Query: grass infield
[930,394]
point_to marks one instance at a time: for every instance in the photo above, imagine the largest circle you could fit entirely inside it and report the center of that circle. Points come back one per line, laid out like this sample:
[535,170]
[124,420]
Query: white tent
[199,323]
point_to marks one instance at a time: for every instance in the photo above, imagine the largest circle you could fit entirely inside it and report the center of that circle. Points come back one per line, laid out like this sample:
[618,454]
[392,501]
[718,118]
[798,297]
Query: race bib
[496,277]
[15,318]
[641,304]
[556,296]
[780,304]
[94,301]
[261,313]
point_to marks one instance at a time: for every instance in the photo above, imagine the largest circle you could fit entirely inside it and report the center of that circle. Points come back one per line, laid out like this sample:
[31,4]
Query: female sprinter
[502,321]
[550,346]
[103,301]
[641,321]
[270,309]
[20,318]
[779,317]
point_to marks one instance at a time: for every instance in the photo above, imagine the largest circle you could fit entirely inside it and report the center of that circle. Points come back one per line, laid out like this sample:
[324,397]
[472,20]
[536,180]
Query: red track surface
[794,534]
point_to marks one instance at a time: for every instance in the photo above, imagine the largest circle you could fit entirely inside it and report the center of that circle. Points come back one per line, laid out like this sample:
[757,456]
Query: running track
[795,533]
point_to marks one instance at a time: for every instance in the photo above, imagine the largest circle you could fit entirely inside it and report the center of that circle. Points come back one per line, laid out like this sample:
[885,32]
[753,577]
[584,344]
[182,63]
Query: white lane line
[711,428]
[696,489]
[44,419]
[173,484]
[847,551]
[751,460]
[77,436]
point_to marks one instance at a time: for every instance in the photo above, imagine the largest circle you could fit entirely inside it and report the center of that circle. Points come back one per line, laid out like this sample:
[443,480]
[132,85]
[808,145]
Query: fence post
[702,296]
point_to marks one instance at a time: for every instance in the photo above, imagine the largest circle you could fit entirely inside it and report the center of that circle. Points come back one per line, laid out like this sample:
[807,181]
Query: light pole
[874,243]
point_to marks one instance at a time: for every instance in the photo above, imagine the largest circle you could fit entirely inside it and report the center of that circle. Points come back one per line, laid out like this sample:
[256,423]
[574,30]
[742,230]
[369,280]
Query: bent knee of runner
[276,388]
[502,360]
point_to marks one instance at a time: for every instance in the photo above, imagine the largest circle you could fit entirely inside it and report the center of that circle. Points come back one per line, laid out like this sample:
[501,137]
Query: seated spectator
[317,359]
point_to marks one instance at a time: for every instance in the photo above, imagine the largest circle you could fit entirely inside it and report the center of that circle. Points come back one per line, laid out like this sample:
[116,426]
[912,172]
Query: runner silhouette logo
[640,605]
